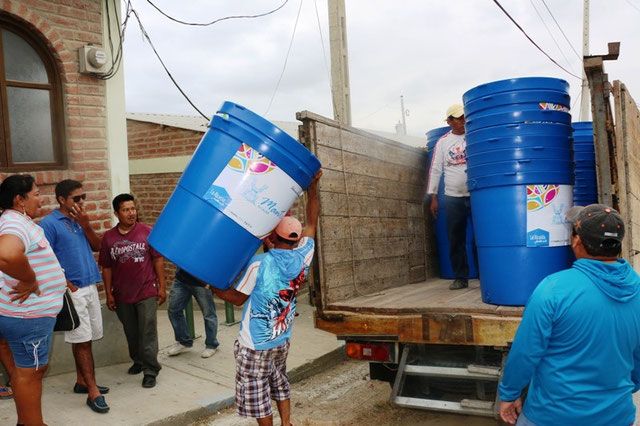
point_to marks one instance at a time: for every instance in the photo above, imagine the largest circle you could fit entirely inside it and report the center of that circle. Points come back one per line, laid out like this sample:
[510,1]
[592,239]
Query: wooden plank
[362,164]
[336,204]
[383,212]
[317,119]
[379,149]
[336,227]
[622,162]
[339,250]
[487,330]
[602,123]
[366,288]
[628,164]
[367,271]
[415,209]
[334,181]
[416,258]
[417,274]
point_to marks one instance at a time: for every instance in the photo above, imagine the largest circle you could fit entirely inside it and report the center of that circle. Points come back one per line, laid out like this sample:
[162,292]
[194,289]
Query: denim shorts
[29,339]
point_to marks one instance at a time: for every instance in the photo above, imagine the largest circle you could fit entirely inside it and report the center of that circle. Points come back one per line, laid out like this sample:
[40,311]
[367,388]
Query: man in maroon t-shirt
[134,281]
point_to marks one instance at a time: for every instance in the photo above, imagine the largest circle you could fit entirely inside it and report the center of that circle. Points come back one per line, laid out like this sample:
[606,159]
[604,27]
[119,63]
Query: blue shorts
[29,339]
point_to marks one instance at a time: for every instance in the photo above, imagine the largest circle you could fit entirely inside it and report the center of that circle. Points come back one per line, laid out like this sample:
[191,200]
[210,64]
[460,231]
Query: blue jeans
[178,299]
[458,210]
[524,421]
[29,339]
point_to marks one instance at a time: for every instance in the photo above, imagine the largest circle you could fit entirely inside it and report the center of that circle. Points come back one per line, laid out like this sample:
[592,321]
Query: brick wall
[64,26]
[150,140]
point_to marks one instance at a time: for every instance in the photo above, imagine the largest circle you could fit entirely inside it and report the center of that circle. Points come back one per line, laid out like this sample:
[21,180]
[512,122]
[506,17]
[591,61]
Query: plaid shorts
[260,376]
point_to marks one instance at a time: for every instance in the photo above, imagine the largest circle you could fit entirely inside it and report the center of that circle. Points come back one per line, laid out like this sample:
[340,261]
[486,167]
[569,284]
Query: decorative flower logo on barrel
[248,159]
[540,196]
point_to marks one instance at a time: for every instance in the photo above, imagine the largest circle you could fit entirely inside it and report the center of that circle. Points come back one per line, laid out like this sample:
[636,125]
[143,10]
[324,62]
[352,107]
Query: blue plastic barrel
[440,225]
[243,177]
[520,171]
[585,190]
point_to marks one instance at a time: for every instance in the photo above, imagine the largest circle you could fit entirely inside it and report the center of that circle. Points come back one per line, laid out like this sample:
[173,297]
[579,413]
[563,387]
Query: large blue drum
[243,177]
[585,190]
[440,224]
[520,171]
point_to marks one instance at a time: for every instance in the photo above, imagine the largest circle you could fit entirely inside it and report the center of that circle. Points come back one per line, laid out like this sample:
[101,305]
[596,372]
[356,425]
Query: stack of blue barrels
[519,166]
[585,190]
[442,238]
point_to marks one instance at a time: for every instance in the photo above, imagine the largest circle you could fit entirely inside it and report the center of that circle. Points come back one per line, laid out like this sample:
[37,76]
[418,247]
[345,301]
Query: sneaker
[148,381]
[99,405]
[177,349]
[135,369]
[83,389]
[208,353]
[458,284]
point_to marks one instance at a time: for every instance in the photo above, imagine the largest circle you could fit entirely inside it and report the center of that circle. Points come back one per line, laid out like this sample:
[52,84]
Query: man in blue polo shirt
[73,240]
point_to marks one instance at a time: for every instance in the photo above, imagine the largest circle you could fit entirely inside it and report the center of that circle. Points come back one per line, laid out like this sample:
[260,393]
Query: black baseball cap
[597,225]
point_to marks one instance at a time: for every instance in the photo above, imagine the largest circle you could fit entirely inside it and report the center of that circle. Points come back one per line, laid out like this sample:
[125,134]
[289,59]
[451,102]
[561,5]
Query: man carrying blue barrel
[450,157]
[270,287]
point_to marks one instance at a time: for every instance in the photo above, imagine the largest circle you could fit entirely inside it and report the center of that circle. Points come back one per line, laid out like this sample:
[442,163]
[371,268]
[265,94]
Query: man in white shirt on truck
[450,158]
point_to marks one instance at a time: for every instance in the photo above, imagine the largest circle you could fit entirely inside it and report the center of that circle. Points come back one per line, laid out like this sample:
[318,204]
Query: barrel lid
[517,99]
[303,157]
[521,83]
[582,125]
[434,134]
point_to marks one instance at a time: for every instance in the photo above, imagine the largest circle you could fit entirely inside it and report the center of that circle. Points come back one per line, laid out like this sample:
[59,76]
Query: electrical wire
[560,28]
[375,112]
[633,5]
[116,59]
[175,83]
[197,24]
[551,35]
[533,42]
[326,64]
[286,59]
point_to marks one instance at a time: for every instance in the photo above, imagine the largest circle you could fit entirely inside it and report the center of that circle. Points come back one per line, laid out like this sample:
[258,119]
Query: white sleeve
[247,283]
[435,169]
[306,248]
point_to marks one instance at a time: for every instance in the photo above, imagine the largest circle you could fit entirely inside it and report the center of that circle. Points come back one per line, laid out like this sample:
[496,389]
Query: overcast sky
[429,51]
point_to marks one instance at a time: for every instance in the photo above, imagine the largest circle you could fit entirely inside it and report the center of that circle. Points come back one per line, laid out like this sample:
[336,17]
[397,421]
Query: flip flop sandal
[5,393]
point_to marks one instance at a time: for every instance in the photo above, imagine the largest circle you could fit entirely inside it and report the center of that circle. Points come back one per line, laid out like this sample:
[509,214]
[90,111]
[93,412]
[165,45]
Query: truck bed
[425,312]
[431,296]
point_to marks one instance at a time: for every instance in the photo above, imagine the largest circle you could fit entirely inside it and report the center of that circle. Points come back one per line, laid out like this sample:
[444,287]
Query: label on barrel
[547,206]
[553,107]
[253,192]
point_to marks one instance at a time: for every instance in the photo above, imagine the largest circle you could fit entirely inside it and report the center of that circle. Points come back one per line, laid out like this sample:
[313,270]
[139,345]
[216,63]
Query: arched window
[31,119]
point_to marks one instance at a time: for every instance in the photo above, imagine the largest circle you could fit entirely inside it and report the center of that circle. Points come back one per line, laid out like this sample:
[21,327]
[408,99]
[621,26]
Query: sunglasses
[77,198]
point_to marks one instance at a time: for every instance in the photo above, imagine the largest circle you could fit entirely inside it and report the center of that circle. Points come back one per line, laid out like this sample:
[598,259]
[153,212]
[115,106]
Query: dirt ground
[344,395]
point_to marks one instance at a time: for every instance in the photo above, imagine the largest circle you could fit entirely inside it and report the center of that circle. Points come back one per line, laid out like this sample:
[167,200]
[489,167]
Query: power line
[116,60]
[197,24]
[533,42]
[560,28]
[286,59]
[633,5]
[551,35]
[375,112]
[146,36]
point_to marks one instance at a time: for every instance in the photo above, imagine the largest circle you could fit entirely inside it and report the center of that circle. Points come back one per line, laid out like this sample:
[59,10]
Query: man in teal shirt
[578,346]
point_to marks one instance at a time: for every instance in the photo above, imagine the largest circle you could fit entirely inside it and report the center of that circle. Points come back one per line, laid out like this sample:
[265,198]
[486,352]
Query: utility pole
[404,121]
[340,89]
[585,96]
